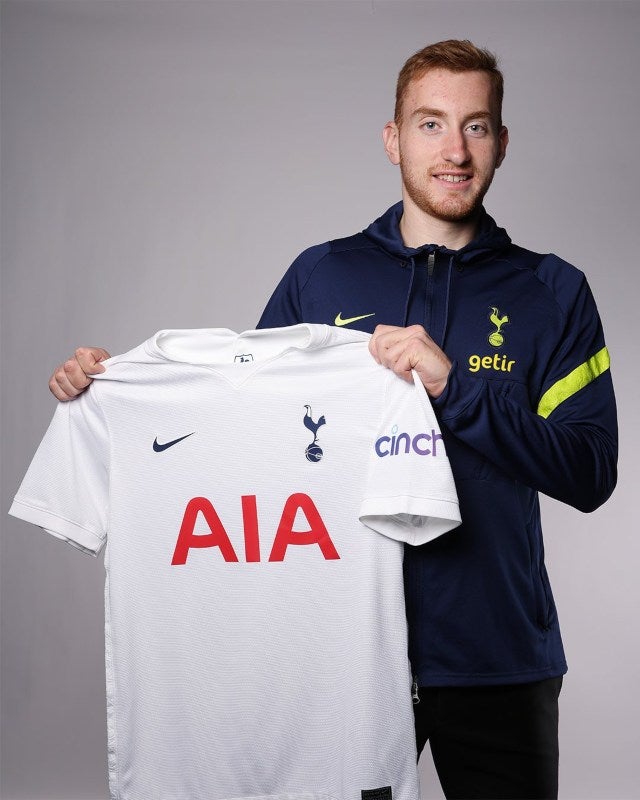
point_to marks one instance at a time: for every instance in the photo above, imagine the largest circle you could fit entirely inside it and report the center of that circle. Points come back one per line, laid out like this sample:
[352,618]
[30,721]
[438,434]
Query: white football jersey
[253,491]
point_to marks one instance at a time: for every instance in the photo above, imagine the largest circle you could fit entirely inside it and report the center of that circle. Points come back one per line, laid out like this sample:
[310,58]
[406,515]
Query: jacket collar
[385,232]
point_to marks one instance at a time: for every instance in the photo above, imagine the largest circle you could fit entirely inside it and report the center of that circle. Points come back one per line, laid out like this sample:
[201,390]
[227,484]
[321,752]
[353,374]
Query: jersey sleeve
[66,488]
[410,493]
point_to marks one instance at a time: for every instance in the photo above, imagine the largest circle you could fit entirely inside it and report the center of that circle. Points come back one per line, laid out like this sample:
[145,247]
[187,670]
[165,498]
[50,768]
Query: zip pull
[415,695]
[431,263]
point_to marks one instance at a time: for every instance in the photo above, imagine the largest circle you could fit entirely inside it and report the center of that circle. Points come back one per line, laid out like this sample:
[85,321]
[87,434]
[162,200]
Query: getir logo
[296,506]
[423,444]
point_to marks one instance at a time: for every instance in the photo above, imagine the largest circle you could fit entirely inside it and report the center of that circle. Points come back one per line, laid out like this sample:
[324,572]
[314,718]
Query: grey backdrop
[162,164]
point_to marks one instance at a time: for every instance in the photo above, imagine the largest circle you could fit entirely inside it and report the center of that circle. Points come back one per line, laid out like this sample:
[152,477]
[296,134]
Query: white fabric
[230,675]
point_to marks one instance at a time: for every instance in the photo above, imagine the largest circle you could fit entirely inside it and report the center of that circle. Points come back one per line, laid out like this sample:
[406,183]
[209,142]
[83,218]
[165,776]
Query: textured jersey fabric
[529,408]
[253,491]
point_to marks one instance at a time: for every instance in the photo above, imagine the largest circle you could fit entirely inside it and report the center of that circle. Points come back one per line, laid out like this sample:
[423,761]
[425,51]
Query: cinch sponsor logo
[424,444]
[495,362]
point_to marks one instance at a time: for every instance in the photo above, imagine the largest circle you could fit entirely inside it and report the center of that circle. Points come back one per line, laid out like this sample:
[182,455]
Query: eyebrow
[425,111]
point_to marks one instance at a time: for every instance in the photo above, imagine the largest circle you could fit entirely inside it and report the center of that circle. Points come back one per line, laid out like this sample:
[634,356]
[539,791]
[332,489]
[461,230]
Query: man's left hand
[406,349]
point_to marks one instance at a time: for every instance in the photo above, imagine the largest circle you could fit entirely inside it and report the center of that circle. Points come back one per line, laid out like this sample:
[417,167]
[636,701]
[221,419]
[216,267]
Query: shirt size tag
[383,793]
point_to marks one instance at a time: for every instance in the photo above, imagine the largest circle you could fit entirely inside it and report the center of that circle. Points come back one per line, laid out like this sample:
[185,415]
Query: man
[509,346]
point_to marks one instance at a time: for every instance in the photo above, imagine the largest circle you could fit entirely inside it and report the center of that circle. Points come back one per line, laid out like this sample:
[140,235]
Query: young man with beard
[509,346]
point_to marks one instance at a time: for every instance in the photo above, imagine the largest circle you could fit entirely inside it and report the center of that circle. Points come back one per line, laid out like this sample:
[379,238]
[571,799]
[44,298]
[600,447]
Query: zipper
[415,692]
[428,299]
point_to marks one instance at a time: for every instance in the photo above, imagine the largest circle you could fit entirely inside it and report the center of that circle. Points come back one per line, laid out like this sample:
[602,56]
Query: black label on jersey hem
[383,793]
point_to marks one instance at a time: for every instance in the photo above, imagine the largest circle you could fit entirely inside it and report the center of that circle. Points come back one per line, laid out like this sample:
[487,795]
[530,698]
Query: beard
[437,202]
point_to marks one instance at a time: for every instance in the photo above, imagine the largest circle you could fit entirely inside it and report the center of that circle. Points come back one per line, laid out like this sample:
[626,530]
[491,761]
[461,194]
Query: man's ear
[390,137]
[503,141]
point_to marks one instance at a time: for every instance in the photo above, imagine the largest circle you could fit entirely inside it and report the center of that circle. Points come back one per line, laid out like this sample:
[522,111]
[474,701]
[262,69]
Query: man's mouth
[453,178]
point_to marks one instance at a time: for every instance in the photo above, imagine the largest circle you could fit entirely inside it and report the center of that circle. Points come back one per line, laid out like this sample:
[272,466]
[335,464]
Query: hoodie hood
[385,232]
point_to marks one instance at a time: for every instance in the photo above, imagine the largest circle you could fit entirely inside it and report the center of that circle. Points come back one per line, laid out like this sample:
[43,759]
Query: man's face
[449,143]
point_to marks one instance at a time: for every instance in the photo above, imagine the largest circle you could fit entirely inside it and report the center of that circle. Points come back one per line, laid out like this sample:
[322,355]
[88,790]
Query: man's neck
[418,229]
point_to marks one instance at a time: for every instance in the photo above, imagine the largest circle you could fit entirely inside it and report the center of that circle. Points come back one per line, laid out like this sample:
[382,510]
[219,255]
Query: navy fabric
[514,323]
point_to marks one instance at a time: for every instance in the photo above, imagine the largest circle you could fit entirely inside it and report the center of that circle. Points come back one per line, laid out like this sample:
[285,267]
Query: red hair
[456,55]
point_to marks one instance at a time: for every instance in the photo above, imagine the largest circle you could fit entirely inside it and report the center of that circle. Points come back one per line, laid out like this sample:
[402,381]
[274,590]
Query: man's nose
[455,148]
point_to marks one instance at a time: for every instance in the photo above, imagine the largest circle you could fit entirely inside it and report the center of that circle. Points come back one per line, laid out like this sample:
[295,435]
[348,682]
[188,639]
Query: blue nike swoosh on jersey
[160,447]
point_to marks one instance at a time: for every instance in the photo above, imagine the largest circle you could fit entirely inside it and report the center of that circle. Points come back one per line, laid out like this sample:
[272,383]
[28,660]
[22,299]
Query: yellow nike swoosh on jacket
[341,322]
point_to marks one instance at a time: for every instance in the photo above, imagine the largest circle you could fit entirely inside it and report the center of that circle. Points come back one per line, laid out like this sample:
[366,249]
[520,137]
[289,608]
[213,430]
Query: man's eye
[430,125]
[477,128]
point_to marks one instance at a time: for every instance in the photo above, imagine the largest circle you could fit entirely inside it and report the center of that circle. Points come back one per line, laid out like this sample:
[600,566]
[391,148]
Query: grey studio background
[162,164]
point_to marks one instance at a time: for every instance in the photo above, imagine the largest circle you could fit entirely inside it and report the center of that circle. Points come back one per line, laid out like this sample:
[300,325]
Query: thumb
[89,359]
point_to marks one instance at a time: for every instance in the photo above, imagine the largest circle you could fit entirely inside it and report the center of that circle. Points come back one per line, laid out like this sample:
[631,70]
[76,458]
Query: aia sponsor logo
[399,444]
[300,525]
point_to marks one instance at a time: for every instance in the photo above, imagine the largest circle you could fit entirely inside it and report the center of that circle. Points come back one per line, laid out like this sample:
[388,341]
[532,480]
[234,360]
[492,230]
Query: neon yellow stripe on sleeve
[580,377]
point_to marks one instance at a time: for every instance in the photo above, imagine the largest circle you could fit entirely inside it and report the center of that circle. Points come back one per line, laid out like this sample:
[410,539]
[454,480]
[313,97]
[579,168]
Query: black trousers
[492,742]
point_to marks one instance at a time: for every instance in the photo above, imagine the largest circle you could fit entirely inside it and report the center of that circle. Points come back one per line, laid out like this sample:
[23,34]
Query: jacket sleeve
[565,443]
[285,304]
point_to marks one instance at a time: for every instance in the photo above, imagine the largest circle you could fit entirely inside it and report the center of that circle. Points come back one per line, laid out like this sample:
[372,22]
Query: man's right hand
[72,378]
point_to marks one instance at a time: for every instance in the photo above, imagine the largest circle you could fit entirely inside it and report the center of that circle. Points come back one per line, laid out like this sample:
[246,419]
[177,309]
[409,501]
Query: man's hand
[72,378]
[404,349]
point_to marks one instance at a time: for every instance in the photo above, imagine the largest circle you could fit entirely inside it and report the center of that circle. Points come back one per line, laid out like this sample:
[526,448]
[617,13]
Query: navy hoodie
[529,407]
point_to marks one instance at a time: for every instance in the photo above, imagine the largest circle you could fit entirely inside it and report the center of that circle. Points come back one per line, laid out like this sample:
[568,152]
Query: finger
[386,336]
[393,335]
[380,332]
[56,390]
[76,375]
[89,359]
[419,353]
[392,344]
[402,357]
[61,385]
